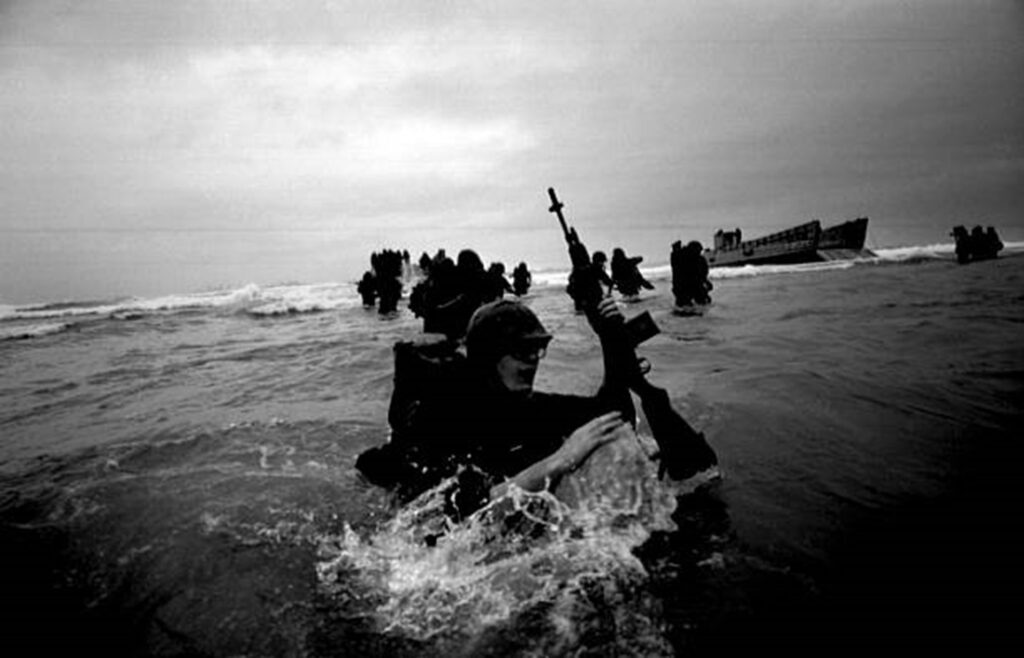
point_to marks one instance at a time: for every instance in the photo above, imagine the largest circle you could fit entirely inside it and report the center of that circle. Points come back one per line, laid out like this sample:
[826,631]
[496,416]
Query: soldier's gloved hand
[587,438]
[609,309]
[607,316]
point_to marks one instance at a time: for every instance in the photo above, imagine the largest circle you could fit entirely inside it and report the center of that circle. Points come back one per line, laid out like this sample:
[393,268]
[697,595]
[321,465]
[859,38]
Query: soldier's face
[517,371]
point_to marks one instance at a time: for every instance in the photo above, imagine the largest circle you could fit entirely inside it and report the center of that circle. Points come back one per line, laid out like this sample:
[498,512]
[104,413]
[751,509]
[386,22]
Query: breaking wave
[26,331]
[252,299]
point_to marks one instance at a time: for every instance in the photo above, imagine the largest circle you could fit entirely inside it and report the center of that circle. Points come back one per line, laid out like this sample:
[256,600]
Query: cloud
[266,121]
[133,113]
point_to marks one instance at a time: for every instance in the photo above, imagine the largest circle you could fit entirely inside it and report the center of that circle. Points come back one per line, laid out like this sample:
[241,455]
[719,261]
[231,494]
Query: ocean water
[177,477]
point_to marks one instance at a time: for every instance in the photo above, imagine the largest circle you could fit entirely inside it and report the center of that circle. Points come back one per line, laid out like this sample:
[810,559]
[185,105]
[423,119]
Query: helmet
[501,327]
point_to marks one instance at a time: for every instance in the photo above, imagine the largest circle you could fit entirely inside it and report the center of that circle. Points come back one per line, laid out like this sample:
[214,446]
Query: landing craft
[806,243]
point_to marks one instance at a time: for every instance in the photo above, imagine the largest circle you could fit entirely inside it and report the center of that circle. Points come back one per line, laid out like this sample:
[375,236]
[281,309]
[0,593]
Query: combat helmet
[501,327]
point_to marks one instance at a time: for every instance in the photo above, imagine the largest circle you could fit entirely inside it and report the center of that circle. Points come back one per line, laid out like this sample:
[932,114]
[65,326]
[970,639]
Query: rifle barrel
[556,207]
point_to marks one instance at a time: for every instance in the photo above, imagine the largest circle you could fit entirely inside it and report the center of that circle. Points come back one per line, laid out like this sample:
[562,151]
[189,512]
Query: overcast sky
[148,116]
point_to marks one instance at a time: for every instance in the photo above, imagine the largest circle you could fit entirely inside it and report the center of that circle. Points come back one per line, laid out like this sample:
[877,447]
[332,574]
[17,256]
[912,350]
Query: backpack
[426,369]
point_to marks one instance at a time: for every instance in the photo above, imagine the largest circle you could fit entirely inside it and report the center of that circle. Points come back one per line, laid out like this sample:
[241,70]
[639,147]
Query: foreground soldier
[486,424]
[490,426]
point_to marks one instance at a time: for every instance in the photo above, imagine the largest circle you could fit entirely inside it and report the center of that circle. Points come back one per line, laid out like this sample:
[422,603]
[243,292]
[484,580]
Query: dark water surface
[179,481]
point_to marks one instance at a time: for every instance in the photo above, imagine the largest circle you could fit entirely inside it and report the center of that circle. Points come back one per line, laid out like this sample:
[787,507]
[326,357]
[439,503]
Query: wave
[663,271]
[26,331]
[59,310]
[301,299]
[252,299]
[916,253]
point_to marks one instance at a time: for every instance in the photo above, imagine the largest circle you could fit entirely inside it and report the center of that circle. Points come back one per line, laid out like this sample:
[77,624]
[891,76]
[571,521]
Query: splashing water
[555,569]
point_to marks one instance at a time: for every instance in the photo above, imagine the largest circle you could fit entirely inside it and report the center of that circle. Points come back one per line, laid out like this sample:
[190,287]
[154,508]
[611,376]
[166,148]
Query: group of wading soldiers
[444,280]
[450,285]
[979,244]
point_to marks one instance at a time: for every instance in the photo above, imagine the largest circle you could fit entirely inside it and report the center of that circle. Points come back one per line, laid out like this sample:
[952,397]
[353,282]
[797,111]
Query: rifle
[682,451]
[585,286]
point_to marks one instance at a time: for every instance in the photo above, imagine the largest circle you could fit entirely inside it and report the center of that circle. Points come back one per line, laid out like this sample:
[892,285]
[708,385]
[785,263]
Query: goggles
[530,351]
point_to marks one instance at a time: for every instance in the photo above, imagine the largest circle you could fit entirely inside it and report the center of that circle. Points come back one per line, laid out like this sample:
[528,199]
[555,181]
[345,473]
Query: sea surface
[177,477]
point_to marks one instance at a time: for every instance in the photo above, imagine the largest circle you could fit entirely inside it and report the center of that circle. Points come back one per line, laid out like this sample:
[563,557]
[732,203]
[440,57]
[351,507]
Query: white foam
[545,278]
[273,300]
[43,312]
[940,250]
[284,300]
[661,272]
[33,330]
[518,551]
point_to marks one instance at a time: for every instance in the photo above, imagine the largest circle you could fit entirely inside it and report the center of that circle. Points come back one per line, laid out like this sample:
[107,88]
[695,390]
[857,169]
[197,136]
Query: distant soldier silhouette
[690,284]
[367,289]
[521,279]
[495,283]
[626,273]
[388,271]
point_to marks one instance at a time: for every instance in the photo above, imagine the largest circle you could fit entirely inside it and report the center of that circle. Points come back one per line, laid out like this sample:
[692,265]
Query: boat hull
[806,243]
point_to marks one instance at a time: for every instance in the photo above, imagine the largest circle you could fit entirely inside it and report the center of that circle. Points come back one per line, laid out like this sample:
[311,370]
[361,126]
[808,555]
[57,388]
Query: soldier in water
[690,284]
[521,279]
[626,273]
[484,422]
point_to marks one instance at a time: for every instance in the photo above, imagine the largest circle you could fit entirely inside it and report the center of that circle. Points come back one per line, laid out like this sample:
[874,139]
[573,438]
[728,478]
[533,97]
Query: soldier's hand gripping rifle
[683,452]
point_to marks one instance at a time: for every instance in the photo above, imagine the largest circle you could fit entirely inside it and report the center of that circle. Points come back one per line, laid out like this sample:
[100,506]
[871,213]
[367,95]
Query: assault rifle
[682,451]
[584,282]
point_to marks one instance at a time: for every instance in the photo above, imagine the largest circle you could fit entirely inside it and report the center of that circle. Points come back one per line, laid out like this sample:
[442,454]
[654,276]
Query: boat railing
[808,232]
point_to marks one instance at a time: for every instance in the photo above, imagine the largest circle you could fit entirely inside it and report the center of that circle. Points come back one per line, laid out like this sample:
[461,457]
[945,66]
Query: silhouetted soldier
[439,288]
[425,263]
[995,245]
[985,245]
[451,293]
[626,273]
[963,244]
[521,279]
[600,259]
[597,264]
[367,289]
[978,243]
[690,284]
[495,283]
[389,289]
[388,272]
